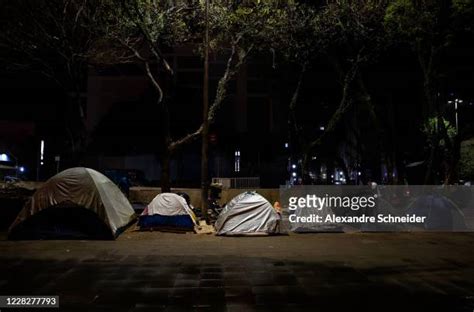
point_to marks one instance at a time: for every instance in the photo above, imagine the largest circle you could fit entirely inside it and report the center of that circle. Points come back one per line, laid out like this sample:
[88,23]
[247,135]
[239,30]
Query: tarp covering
[80,188]
[168,204]
[168,210]
[248,214]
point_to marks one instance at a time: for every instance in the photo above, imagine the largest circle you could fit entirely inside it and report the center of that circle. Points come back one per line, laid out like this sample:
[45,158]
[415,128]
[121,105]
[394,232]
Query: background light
[4,157]
[42,151]
[21,169]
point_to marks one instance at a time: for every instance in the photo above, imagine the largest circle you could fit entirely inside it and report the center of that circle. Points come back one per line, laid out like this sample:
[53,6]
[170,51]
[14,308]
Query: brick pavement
[184,272]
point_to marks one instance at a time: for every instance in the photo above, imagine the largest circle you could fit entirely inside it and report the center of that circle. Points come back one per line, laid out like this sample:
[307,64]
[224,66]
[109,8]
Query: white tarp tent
[169,204]
[248,214]
[81,188]
[168,211]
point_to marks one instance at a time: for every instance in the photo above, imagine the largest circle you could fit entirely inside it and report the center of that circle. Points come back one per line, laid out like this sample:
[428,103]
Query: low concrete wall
[144,195]
[28,185]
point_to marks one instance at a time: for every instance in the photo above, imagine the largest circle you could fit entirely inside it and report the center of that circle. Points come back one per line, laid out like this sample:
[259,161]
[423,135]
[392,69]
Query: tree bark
[428,59]
[305,166]
[76,129]
[380,139]
[295,131]
[344,105]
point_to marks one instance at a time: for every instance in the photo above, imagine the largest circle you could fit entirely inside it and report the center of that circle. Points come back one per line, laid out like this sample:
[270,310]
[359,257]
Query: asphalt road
[152,271]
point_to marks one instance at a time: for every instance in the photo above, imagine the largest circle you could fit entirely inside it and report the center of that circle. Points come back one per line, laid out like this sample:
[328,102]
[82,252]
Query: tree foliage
[138,30]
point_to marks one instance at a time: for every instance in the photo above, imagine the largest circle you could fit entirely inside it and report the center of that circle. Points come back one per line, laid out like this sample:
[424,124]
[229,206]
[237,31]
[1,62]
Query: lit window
[237,161]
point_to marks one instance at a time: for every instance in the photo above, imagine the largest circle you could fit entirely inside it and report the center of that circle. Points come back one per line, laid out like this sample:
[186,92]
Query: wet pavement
[152,271]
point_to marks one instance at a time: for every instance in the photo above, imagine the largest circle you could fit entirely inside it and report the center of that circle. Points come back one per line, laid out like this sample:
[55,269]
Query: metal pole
[456,111]
[205,122]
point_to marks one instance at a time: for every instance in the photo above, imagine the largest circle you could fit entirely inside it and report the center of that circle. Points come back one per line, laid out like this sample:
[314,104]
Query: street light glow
[42,151]
[4,157]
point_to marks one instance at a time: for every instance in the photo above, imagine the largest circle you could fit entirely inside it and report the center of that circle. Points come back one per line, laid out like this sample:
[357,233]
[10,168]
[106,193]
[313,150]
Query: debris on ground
[204,228]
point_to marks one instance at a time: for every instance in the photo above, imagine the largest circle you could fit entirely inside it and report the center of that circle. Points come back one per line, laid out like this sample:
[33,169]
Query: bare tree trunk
[294,128]
[297,140]
[305,166]
[76,128]
[427,62]
[380,139]
[344,105]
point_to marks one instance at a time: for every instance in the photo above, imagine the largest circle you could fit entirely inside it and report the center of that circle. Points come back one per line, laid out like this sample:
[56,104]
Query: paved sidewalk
[144,271]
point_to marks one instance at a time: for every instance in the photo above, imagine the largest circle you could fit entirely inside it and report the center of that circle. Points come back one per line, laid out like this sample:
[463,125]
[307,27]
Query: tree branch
[156,52]
[153,80]
[293,120]
[186,139]
[229,73]
[231,70]
[344,105]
